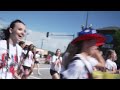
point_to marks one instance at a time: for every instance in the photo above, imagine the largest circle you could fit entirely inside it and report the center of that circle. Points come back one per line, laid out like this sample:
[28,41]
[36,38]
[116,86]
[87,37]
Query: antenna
[86,26]
[86,20]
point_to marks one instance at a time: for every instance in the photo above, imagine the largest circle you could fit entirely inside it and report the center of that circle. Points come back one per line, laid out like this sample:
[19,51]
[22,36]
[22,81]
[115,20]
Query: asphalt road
[44,69]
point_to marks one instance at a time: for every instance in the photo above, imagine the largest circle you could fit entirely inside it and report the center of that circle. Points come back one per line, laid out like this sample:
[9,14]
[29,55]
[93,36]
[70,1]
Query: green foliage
[116,37]
[50,52]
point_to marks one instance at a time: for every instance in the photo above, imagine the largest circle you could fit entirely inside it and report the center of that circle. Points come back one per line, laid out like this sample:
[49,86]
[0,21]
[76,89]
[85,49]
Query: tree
[116,37]
[50,52]
[2,34]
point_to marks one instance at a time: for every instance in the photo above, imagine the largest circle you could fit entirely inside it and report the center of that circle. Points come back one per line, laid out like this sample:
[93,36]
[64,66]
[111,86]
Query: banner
[105,75]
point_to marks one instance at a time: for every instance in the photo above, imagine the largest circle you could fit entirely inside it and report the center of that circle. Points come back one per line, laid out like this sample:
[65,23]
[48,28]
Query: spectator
[110,65]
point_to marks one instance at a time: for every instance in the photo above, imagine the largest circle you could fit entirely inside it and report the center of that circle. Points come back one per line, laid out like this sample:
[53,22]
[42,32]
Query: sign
[108,46]
[109,38]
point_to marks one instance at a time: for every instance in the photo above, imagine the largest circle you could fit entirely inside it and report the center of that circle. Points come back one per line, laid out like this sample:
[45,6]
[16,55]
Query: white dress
[12,54]
[56,67]
[110,65]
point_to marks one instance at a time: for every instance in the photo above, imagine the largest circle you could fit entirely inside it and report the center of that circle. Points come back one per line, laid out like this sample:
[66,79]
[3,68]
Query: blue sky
[62,21]
[68,22]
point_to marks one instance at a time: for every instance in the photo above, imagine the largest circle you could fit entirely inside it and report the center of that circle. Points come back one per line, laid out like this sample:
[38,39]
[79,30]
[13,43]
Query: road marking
[42,68]
[30,77]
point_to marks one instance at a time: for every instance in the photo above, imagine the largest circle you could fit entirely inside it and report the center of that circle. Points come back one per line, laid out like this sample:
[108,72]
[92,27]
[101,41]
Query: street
[44,70]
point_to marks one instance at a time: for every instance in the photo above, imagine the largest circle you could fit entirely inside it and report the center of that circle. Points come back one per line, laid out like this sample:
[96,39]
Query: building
[108,32]
[28,42]
[42,51]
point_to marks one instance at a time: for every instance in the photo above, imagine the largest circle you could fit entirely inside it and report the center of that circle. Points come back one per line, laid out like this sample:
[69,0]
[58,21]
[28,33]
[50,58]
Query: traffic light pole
[65,35]
[47,35]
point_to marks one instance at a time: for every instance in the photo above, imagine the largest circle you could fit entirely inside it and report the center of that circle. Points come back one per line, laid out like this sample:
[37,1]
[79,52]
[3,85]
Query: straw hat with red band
[89,34]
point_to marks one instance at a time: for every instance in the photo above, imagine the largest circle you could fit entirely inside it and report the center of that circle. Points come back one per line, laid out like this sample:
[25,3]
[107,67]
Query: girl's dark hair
[21,43]
[30,48]
[37,52]
[57,50]
[79,46]
[108,54]
[2,34]
[26,47]
[12,25]
[72,50]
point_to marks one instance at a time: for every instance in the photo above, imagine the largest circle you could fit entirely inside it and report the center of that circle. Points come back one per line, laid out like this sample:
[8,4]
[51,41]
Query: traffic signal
[47,35]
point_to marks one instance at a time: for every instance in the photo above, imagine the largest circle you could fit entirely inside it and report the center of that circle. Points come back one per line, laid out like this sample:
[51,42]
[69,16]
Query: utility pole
[42,43]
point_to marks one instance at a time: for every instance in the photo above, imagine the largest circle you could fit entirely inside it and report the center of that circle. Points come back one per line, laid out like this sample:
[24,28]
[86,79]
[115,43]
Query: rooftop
[110,28]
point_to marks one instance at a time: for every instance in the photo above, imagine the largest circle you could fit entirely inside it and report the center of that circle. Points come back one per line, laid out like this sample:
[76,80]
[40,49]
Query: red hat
[88,34]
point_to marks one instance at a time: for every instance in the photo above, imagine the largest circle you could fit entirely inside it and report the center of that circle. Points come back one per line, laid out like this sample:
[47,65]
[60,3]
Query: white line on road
[42,68]
[30,77]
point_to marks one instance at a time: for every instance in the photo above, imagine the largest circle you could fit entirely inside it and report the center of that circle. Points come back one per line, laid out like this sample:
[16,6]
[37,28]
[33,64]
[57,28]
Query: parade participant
[110,65]
[68,55]
[22,44]
[24,51]
[48,59]
[84,56]
[10,51]
[56,65]
[28,62]
[37,58]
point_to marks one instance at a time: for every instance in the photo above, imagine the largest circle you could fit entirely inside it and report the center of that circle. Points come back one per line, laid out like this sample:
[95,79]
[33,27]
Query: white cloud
[3,24]
[52,42]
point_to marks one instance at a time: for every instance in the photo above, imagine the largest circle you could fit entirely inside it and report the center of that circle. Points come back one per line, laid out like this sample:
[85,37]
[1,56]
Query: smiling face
[17,32]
